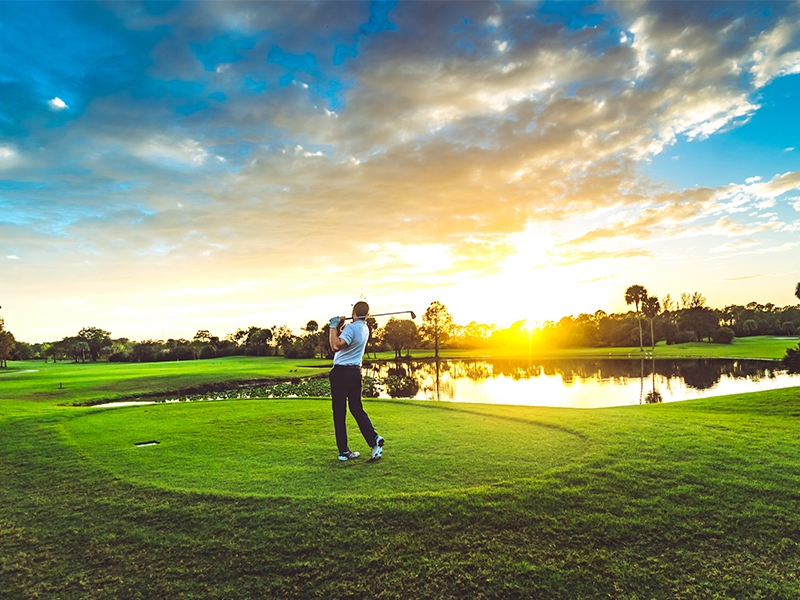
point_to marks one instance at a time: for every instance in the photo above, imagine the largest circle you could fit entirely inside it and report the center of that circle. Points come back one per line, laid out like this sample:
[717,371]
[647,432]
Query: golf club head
[413,315]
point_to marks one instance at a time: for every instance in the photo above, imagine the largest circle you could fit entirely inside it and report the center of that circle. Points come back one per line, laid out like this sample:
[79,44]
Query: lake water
[581,383]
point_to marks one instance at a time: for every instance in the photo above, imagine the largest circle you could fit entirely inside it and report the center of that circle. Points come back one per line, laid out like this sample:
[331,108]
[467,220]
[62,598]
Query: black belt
[346,366]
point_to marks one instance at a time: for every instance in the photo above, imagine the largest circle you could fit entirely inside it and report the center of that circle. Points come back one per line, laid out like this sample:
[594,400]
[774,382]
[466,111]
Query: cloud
[745,277]
[729,246]
[774,53]
[242,142]
[57,104]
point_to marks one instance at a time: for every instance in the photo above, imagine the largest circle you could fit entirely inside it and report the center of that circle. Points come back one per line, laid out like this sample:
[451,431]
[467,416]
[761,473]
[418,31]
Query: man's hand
[336,322]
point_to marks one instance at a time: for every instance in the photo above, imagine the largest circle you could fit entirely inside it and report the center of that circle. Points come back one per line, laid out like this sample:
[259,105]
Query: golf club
[402,312]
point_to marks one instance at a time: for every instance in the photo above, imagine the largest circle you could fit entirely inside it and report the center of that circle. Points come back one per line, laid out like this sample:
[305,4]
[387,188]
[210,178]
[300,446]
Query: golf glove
[335,322]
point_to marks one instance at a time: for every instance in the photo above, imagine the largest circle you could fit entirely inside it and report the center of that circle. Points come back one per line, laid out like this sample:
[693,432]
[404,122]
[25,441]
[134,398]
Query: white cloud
[727,247]
[770,60]
[12,257]
[791,227]
[183,152]
[57,104]
[768,203]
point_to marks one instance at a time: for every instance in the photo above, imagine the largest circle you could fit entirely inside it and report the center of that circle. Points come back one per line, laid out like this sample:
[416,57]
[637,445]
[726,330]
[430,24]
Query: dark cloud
[249,138]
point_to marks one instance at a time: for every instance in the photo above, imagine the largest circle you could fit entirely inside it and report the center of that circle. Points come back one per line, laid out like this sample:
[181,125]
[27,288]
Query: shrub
[370,387]
[401,387]
[723,335]
[791,359]
[683,337]
[653,397]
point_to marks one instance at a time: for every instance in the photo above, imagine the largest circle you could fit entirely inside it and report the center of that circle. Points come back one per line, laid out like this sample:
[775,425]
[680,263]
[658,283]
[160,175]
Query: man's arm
[336,342]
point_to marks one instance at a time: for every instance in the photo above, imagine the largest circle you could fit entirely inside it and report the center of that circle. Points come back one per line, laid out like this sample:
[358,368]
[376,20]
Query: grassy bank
[762,347]
[246,499]
[27,384]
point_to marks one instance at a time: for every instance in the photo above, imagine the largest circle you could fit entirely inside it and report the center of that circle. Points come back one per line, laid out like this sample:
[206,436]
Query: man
[348,345]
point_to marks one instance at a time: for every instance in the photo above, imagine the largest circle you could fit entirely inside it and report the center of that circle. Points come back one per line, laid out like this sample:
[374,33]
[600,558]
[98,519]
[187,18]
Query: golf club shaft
[402,312]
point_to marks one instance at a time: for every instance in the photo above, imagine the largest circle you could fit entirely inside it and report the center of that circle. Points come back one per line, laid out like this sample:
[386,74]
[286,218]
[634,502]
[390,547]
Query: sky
[167,167]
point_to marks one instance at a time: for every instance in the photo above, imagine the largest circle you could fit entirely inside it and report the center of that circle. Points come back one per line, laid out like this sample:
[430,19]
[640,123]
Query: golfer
[348,344]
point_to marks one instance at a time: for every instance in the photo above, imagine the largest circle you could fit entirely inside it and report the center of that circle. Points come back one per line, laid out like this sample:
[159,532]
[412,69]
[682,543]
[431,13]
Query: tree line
[653,320]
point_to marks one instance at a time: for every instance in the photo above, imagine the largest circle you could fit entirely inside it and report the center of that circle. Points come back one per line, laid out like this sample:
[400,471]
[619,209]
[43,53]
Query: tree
[56,350]
[77,348]
[703,321]
[7,344]
[96,339]
[204,336]
[206,344]
[257,341]
[23,351]
[694,300]
[373,342]
[797,290]
[437,324]
[750,326]
[791,360]
[636,294]
[723,335]
[400,334]
[667,303]
[651,307]
[282,335]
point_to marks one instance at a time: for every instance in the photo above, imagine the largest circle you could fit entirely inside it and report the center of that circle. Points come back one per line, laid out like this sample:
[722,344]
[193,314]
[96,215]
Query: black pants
[346,389]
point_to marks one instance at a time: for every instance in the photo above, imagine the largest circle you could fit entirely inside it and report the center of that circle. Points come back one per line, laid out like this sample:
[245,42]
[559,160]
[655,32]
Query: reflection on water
[578,383]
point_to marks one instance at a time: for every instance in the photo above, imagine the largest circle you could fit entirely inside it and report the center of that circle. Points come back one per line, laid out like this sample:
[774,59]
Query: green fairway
[761,346]
[245,499]
[29,382]
[287,447]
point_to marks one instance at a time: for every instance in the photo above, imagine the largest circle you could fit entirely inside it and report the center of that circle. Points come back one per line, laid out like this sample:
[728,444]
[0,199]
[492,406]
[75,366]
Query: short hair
[361,309]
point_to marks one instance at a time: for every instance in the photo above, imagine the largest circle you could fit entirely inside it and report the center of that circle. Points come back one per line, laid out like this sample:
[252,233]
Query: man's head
[360,310]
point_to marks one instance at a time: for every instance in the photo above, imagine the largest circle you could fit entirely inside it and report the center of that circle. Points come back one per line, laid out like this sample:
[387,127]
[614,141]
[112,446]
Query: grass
[30,382]
[245,499]
[762,346]
[220,446]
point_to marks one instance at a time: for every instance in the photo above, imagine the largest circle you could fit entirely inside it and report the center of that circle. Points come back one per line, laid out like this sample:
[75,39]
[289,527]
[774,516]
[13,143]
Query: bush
[653,397]
[370,387]
[401,387]
[791,360]
[301,348]
[723,335]
[683,337]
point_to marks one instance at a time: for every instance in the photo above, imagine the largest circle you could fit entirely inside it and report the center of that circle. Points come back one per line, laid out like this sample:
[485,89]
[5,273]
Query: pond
[578,383]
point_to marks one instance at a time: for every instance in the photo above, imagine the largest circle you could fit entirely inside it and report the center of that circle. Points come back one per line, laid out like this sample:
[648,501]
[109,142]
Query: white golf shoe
[348,455]
[377,449]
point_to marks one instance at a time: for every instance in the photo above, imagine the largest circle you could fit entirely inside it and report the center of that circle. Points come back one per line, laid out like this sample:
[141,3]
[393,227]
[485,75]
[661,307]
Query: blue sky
[169,167]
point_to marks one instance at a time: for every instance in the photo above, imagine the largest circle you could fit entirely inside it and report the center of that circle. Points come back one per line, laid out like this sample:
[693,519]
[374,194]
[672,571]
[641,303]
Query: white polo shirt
[356,335]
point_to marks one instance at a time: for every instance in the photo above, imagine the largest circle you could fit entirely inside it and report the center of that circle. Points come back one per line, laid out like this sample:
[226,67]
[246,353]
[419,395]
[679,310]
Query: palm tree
[651,307]
[797,290]
[635,295]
